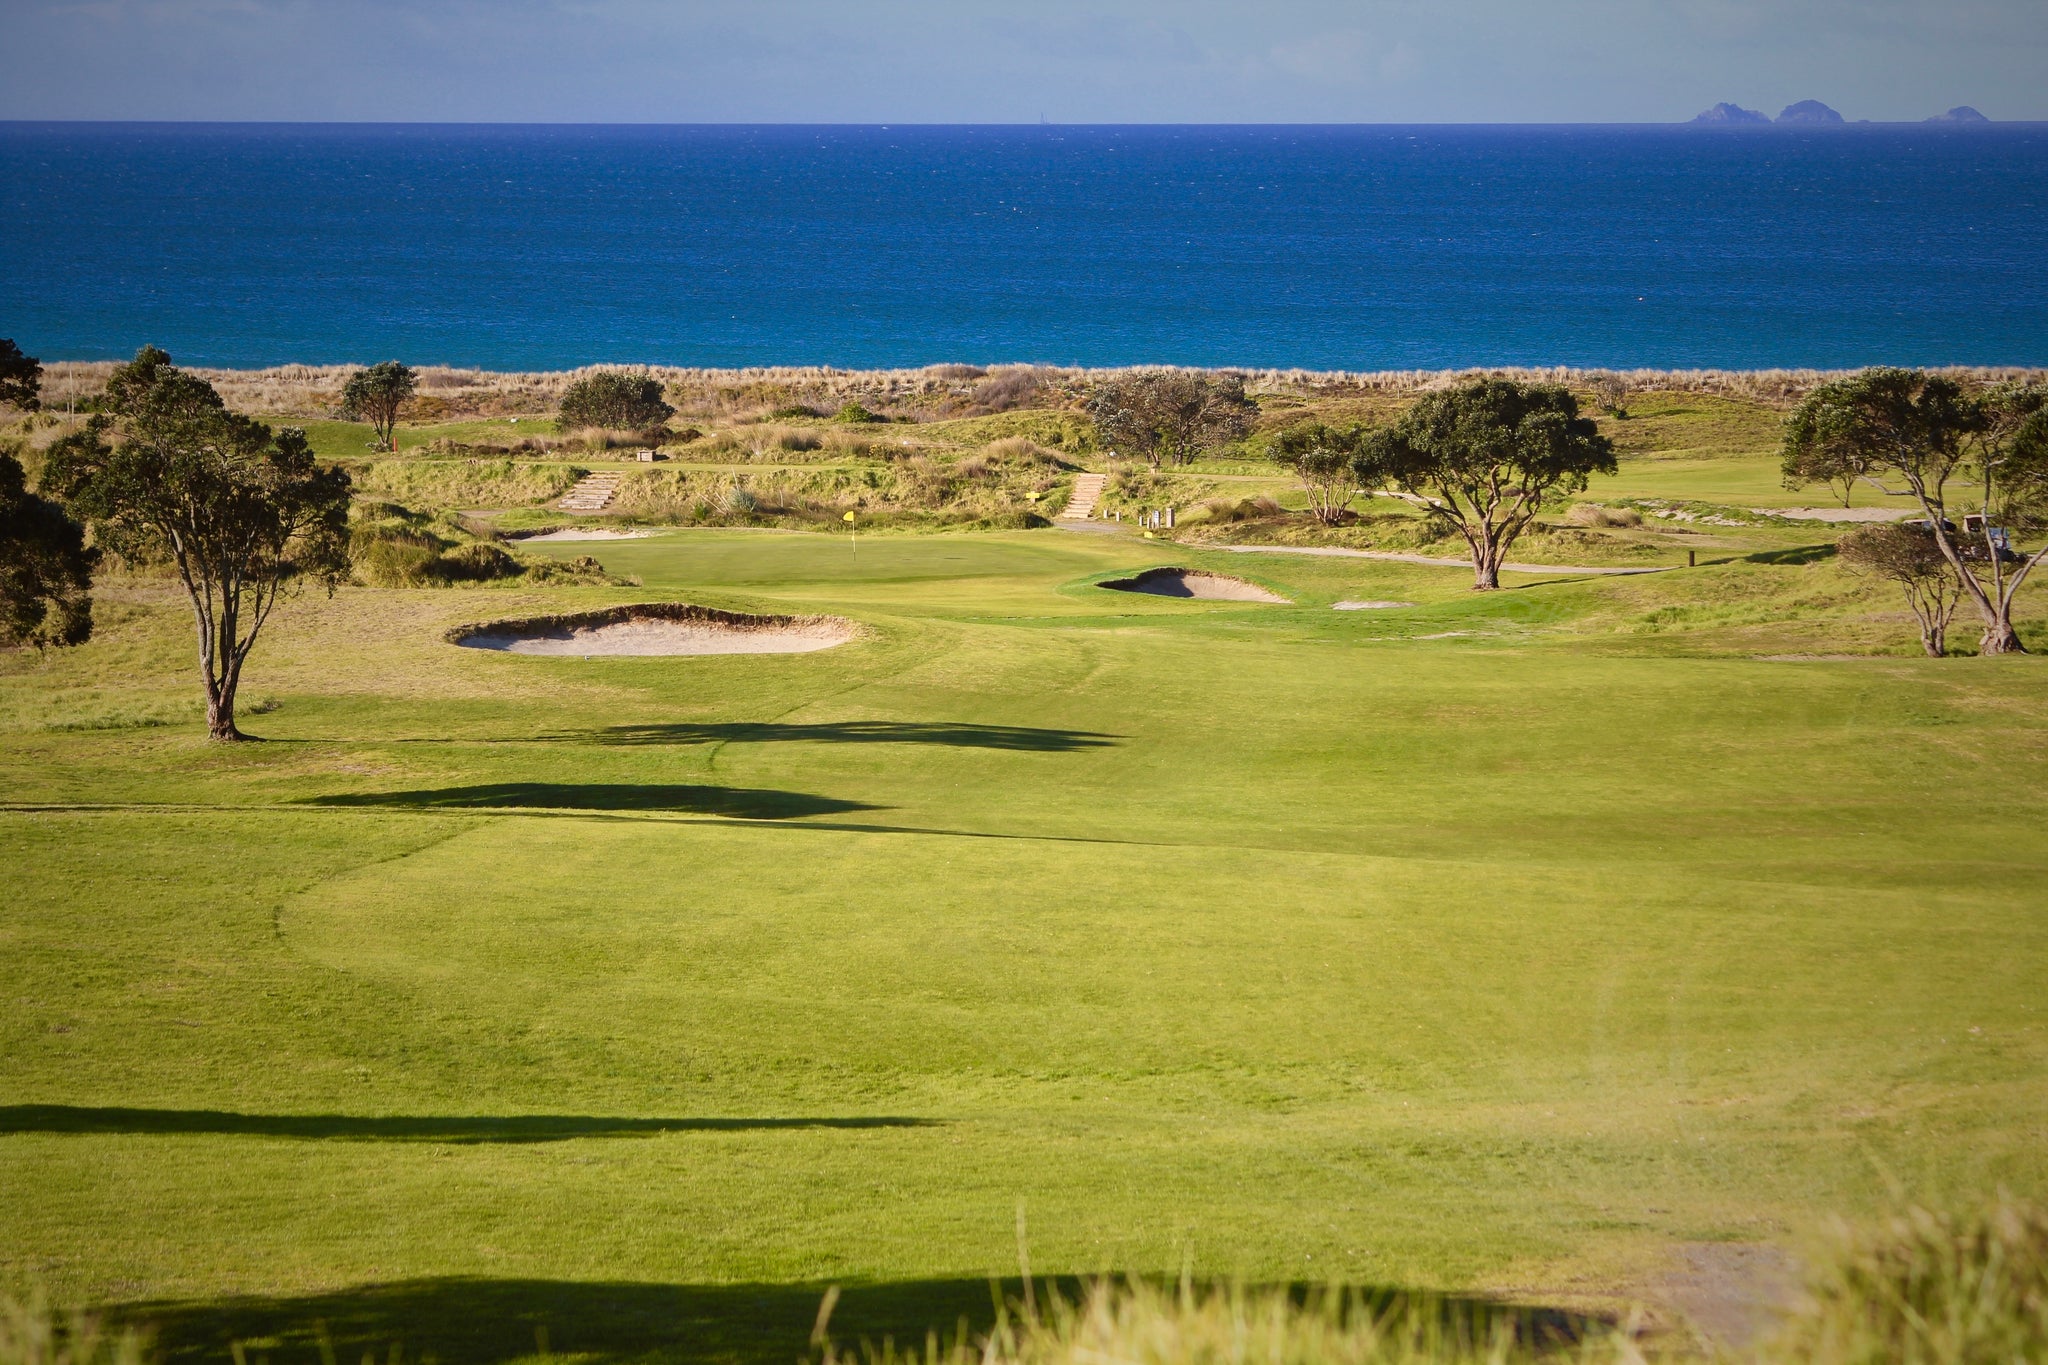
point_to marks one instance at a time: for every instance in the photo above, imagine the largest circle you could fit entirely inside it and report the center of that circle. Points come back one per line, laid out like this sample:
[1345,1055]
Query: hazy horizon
[972,63]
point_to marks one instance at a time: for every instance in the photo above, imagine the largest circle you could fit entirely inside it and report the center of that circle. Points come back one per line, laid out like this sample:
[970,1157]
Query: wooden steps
[1087,492]
[592,493]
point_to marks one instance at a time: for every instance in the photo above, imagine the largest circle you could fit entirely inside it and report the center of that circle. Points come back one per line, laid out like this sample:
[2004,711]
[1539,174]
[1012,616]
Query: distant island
[1812,114]
[1730,114]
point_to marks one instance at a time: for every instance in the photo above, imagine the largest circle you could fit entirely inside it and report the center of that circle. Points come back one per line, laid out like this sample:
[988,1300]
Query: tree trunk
[1934,640]
[220,717]
[1486,556]
[2000,638]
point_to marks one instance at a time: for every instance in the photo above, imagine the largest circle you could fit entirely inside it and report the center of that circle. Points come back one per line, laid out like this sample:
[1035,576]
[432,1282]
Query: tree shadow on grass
[469,1321]
[512,1128]
[1797,554]
[740,802]
[1020,738]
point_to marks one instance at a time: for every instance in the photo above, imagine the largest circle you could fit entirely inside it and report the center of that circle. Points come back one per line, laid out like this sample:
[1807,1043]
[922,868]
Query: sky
[1018,61]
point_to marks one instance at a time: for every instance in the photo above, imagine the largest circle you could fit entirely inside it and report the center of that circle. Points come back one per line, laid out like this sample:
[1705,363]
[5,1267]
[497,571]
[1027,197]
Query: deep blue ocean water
[1327,247]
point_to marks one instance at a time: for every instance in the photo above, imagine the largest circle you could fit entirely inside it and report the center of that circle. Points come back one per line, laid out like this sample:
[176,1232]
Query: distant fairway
[1502,942]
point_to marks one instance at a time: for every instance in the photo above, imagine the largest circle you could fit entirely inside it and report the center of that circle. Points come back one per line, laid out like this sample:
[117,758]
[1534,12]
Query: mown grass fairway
[1502,942]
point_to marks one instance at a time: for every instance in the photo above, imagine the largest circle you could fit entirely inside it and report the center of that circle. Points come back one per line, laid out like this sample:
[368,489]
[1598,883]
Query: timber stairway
[1087,492]
[592,493]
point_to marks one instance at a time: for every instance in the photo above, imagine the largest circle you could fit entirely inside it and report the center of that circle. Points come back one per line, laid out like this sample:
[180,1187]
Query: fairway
[1502,943]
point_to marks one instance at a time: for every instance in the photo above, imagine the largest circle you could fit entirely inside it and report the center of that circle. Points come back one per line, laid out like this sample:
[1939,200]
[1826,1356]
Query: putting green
[1503,941]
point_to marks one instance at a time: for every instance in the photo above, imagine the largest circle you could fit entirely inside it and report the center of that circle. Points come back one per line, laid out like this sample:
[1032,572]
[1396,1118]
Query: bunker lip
[648,629]
[1195,583]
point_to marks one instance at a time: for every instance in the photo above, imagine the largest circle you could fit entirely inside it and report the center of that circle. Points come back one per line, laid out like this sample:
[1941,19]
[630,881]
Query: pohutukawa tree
[1321,457]
[243,513]
[615,399]
[45,567]
[1981,455]
[1484,457]
[377,395]
[1170,416]
[21,377]
[1908,556]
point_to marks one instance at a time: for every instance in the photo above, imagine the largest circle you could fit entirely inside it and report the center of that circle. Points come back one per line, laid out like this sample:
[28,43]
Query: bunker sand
[1209,587]
[655,629]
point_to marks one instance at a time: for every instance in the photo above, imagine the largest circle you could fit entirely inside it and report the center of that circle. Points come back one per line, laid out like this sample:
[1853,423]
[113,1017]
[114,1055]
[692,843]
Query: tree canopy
[615,399]
[1956,452]
[241,512]
[1170,416]
[1322,456]
[45,567]
[376,395]
[1483,457]
[21,377]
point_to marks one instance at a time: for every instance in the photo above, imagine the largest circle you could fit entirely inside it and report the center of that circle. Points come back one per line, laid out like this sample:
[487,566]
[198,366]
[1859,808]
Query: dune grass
[1502,943]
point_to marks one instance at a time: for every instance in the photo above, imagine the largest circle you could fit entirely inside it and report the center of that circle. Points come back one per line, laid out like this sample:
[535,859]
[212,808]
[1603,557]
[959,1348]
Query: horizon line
[1932,121]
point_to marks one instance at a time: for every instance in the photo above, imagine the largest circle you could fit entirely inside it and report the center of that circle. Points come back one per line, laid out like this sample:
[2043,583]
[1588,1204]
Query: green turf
[1498,942]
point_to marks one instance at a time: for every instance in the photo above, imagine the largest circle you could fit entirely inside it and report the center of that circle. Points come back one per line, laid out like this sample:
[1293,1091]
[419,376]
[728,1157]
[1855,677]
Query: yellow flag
[849,516]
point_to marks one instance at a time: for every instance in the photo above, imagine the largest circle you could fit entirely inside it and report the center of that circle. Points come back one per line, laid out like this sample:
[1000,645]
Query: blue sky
[966,61]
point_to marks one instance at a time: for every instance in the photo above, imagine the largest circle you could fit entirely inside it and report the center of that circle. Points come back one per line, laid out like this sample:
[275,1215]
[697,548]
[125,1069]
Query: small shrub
[855,413]
[794,412]
[614,399]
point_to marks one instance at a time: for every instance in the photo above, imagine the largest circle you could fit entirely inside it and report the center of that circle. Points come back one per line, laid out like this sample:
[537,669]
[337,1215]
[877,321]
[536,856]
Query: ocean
[1360,248]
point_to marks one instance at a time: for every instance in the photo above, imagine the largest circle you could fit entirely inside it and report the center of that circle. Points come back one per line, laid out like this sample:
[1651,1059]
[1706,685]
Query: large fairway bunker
[1209,587]
[657,628]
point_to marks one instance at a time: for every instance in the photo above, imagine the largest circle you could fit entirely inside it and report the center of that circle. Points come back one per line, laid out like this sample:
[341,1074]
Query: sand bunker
[579,533]
[1367,606]
[658,628]
[1211,587]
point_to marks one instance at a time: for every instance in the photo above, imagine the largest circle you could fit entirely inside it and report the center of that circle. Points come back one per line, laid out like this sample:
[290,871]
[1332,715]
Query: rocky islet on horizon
[1813,114]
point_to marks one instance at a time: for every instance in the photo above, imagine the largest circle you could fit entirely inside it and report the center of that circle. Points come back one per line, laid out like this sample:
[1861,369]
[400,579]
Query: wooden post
[1692,559]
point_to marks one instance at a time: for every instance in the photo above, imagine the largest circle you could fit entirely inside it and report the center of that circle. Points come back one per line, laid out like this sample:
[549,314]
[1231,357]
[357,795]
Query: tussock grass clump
[1593,514]
[392,546]
[1928,1288]
[1140,1323]
[1226,510]
[31,1334]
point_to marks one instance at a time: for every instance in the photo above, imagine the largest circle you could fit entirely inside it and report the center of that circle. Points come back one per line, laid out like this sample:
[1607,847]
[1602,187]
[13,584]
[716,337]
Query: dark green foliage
[1483,457]
[376,396]
[240,511]
[45,567]
[856,413]
[21,377]
[615,400]
[1924,434]
[1321,457]
[1170,416]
